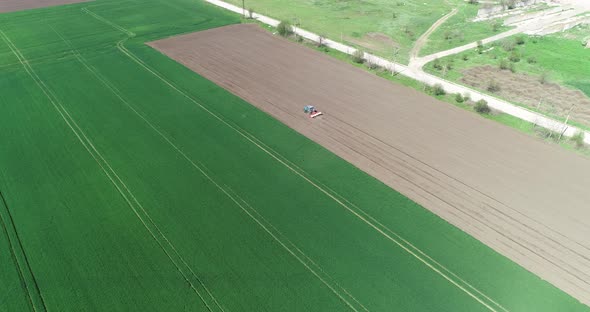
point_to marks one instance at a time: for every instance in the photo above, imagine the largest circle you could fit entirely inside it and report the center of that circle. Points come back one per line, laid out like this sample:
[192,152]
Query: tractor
[311,111]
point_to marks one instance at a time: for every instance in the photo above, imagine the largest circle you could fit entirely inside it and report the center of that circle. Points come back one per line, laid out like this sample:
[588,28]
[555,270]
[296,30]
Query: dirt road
[526,199]
[19,5]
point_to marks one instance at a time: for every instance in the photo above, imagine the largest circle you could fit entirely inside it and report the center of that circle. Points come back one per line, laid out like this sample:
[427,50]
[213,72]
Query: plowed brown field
[19,5]
[524,198]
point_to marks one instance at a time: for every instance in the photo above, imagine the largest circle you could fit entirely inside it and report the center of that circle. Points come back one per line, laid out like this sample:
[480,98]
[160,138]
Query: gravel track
[522,197]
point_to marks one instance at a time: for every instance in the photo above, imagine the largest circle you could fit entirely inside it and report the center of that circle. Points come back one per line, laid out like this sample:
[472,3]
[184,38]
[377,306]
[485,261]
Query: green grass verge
[564,61]
[402,21]
[168,185]
[460,30]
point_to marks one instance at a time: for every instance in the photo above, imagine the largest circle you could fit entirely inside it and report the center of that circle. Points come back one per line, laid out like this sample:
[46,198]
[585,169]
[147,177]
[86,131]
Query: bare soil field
[553,98]
[522,197]
[19,5]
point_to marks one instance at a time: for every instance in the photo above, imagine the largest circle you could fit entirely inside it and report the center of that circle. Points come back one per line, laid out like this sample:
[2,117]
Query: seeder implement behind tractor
[313,113]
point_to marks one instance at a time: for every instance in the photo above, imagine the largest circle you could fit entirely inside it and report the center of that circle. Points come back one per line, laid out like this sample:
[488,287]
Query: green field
[460,30]
[129,183]
[564,60]
[402,21]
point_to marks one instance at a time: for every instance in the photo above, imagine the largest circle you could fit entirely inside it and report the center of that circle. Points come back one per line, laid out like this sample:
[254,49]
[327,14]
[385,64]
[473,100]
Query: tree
[482,107]
[358,56]
[578,139]
[439,90]
[285,29]
[459,98]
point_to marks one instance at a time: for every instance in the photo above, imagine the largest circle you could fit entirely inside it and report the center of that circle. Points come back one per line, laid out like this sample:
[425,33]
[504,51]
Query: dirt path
[540,24]
[19,5]
[524,198]
[424,38]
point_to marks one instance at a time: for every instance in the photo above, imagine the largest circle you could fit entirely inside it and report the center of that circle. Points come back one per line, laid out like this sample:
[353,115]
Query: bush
[284,29]
[480,47]
[543,78]
[465,57]
[482,107]
[514,57]
[437,65]
[466,97]
[519,40]
[496,26]
[578,139]
[438,90]
[250,13]
[459,98]
[531,60]
[358,56]
[371,65]
[504,64]
[508,45]
[493,86]
[512,68]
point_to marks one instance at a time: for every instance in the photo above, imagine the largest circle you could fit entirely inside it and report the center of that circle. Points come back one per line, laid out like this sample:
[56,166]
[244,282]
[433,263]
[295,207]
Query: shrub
[438,90]
[508,45]
[465,57]
[437,65]
[519,40]
[531,60]
[358,56]
[482,107]
[459,98]
[543,78]
[512,68]
[496,26]
[466,97]
[578,139]
[284,29]
[250,13]
[503,64]
[480,47]
[514,57]
[371,65]
[493,86]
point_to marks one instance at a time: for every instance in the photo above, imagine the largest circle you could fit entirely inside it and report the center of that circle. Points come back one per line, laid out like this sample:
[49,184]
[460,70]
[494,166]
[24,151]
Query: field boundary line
[81,59]
[141,63]
[294,246]
[199,167]
[86,143]
[32,298]
[123,49]
[386,228]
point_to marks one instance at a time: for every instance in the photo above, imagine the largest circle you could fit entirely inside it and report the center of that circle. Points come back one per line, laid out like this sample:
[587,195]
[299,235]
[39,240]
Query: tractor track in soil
[522,197]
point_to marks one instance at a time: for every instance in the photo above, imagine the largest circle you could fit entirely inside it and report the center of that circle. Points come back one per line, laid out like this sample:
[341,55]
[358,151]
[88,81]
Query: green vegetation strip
[135,184]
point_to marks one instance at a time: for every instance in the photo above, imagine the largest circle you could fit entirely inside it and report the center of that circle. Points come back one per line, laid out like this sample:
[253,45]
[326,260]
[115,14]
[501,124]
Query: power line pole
[243,8]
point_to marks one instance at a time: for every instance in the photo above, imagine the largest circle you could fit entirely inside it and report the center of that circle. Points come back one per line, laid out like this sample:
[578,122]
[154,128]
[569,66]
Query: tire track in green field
[195,282]
[389,234]
[20,259]
[202,169]
[485,301]
[421,256]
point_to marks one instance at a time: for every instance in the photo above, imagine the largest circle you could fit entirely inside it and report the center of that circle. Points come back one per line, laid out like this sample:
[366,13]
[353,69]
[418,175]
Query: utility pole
[565,123]
[244,8]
